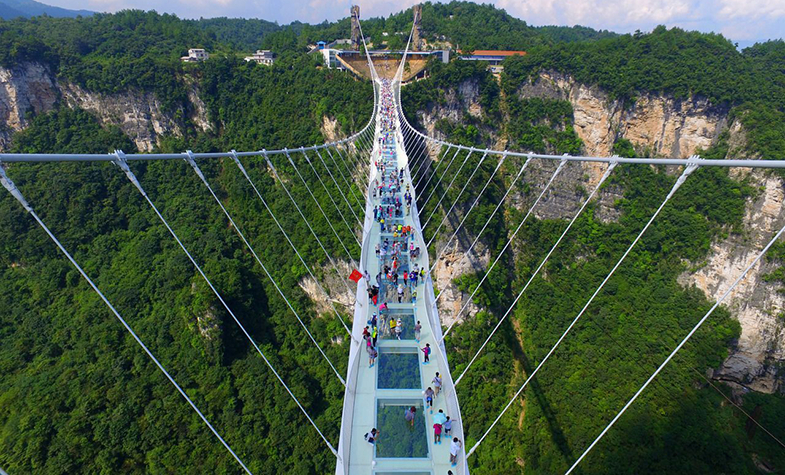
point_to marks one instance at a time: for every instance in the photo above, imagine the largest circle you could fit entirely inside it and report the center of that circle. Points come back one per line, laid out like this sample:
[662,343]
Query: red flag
[355,276]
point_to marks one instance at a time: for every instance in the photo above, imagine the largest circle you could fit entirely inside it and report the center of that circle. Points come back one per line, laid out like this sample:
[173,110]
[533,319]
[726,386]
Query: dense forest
[684,423]
[78,395]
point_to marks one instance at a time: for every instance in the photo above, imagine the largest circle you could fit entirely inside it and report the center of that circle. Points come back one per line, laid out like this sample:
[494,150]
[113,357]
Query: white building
[331,58]
[262,56]
[194,55]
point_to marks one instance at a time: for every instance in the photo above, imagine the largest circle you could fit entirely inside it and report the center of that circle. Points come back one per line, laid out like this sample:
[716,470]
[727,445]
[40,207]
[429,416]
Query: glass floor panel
[397,437]
[399,368]
[408,326]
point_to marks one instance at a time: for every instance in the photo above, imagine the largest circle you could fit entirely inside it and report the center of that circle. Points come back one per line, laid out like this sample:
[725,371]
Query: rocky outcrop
[31,88]
[661,125]
[138,114]
[657,126]
[757,357]
[333,284]
[453,263]
[25,90]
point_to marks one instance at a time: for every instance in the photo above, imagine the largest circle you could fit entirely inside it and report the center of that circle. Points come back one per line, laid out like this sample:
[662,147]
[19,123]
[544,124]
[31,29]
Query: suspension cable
[318,205]
[678,347]
[237,229]
[11,187]
[425,164]
[313,233]
[449,186]
[542,264]
[354,177]
[686,173]
[346,182]
[285,235]
[330,195]
[120,161]
[338,187]
[465,215]
[457,197]
[490,218]
[506,245]
[441,177]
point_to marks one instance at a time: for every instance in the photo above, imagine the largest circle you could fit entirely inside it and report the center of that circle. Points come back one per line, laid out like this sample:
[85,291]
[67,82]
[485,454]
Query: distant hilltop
[10,9]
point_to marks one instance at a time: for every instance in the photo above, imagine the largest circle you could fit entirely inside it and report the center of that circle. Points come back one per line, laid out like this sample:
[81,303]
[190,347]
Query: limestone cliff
[661,126]
[31,88]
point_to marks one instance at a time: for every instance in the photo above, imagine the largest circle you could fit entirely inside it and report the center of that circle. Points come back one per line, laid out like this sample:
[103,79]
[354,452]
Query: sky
[744,21]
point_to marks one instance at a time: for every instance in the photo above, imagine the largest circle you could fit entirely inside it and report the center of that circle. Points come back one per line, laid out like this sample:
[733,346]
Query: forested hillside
[683,424]
[77,395]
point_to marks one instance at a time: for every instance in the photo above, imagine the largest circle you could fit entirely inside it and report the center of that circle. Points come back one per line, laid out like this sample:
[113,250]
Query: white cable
[509,241]
[345,181]
[9,185]
[454,177]
[199,173]
[488,221]
[124,166]
[687,171]
[542,264]
[433,172]
[439,181]
[285,235]
[460,193]
[330,195]
[678,347]
[313,233]
[355,179]
[338,187]
[318,205]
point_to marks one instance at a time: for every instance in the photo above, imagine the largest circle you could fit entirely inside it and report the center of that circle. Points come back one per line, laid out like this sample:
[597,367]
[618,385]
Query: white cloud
[752,9]
[598,13]
[738,19]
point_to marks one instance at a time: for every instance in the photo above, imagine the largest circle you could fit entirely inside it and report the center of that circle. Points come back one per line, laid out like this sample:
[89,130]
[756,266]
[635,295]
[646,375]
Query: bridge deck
[378,395]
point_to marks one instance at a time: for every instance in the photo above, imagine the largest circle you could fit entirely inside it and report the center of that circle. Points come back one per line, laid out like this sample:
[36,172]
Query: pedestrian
[405,278]
[398,328]
[447,426]
[429,398]
[417,330]
[427,352]
[377,249]
[374,335]
[440,418]
[410,414]
[414,296]
[455,447]
[437,384]
[393,323]
[372,436]
[371,355]
[366,333]
[437,433]
[400,293]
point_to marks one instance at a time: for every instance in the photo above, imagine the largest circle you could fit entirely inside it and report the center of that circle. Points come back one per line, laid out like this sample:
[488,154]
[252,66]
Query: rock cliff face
[31,88]
[664,127]
[25,90]
[757,358]
[659,125]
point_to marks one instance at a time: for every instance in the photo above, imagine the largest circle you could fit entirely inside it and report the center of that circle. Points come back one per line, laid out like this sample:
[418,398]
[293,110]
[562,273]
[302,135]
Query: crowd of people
[399,276]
